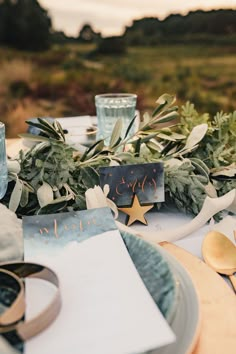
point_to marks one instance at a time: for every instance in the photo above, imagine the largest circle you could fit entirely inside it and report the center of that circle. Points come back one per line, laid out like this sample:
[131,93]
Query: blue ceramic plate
[172,290]
[155,272]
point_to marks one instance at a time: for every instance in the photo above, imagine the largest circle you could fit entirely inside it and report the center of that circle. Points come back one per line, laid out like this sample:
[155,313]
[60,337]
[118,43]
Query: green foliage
[199,156]
[19,89]
[185,187]
[205,27]
[88,35]
[218,148]
[190,118]
[24,24]
[130,71]
[111,45]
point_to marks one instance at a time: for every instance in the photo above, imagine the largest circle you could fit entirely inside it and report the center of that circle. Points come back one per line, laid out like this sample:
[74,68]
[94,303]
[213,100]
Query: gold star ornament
[136,211]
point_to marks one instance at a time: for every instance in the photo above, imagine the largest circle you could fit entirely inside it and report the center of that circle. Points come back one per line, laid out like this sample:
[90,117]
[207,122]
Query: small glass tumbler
[3,162]
[109,108]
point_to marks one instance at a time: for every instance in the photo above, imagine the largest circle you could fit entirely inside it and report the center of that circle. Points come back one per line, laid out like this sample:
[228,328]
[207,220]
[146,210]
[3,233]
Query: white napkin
[11,243]
[105,306]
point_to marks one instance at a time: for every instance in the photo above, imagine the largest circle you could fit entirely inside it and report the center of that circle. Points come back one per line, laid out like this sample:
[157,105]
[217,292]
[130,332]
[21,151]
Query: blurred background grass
[63,78]
[63,81]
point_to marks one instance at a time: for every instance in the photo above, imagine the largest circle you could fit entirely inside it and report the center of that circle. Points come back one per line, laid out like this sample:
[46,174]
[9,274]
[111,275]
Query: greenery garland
[199,155]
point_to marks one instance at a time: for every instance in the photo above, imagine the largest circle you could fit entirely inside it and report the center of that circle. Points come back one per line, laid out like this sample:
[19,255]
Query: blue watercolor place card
[49,233]
[144,180]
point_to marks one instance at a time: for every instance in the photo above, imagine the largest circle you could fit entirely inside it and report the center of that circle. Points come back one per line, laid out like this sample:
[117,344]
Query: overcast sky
[111,16]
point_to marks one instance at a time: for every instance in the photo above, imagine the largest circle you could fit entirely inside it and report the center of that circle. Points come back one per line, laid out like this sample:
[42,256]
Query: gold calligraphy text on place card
[56,230]
[136,185]
[145,180]
[82,224]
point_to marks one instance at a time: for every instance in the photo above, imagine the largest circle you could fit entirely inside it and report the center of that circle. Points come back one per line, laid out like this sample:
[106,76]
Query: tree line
[24,24]
[204,27]
[197,25]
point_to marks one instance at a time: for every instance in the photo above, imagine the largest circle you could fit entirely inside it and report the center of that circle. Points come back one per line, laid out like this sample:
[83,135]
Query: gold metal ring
[30,328]
[16,310]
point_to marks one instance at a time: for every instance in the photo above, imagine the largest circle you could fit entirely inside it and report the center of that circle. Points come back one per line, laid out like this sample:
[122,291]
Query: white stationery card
[106,308]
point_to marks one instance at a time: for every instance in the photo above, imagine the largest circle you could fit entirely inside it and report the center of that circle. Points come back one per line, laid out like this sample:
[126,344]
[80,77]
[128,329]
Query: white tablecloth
[166,219]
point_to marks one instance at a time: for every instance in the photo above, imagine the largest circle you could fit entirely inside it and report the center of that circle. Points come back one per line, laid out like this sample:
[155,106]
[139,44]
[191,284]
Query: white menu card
[106,308]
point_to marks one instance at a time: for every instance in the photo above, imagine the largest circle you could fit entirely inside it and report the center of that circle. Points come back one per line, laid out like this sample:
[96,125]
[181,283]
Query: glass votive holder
[3,162]
[109,108]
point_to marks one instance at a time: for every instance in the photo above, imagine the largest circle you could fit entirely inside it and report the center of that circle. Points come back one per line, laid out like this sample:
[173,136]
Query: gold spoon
[220,254]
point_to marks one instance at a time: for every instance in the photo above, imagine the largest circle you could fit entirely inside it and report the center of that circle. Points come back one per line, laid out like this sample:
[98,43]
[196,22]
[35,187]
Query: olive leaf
[144,121]
[44,129]
[164,101]
[89,177]
[33,137]
[16,195]
[166,137]
[45,194]
[53,208]
[200,167]
[155,145]
[168,117]
[116,133]
[92,150]
[58,127]
[227,171]
[51,129]
[196,135]
[130,126]
[13,166]
[24,196]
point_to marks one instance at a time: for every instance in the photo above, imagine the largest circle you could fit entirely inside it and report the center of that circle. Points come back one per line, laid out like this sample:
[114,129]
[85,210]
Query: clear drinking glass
[109,108]
[3,162]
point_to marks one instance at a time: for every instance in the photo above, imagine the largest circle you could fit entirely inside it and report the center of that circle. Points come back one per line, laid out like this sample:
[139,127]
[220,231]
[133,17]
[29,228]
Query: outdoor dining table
[217,330]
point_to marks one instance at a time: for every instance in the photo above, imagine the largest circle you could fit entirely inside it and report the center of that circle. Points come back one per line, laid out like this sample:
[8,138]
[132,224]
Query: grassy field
[64,80]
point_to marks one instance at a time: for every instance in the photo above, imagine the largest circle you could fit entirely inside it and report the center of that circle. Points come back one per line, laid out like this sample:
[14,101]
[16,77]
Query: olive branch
[198,152]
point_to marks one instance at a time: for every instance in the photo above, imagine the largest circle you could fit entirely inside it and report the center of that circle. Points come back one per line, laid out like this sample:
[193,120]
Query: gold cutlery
[220,254]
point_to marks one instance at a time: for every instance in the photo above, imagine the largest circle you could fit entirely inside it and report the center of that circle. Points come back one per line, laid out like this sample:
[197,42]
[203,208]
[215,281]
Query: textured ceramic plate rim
[170,315]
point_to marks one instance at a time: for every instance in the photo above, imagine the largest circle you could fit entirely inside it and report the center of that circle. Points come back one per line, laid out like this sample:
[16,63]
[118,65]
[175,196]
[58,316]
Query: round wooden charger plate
[218,305]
